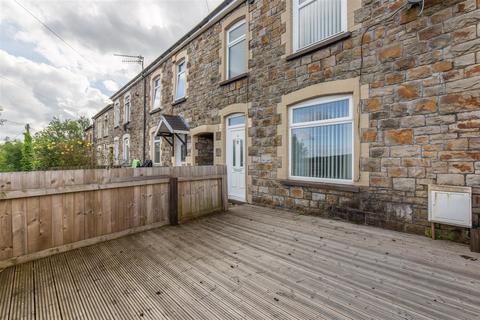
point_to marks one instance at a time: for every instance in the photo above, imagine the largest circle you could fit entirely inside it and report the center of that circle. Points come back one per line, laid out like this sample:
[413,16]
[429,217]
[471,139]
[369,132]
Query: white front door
[180,150]
[236,157]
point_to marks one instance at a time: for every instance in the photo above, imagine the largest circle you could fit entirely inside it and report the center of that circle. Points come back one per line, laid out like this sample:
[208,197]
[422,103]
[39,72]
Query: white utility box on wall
[450,205]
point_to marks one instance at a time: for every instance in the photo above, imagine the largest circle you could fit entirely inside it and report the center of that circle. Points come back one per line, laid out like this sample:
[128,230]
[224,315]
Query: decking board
[250,263]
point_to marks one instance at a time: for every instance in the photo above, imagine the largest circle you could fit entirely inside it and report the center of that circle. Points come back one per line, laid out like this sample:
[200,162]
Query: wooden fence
[45,212]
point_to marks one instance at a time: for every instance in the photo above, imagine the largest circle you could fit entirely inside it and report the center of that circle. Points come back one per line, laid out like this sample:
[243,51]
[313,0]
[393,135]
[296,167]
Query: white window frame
[105,126]
[178,144]
[155,139]
[230,44]
[296,8]
[116,113]
[99,131]
[155,88]
[126,110]
[125,155]
[309,124]
[178,74]
[99,155]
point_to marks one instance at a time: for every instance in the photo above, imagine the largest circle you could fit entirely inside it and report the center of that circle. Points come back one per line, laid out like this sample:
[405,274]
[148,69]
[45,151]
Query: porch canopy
[170,126]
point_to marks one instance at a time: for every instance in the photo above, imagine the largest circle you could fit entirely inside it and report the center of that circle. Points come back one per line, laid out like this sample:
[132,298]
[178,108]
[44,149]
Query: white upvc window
[236,49]
[99,131]
[105,125]
[321,140]
[116,113]
[156,97]
[126,149]
[317,20]
[156,149]
[99,156]
[126,109]
[181,83]
[116,149]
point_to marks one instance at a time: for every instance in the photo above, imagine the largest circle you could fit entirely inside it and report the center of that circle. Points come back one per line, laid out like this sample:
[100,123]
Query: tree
[61,145]
[27,150]
[11,156]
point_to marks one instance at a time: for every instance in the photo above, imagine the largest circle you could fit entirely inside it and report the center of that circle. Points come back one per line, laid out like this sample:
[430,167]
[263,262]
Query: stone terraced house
[347,108]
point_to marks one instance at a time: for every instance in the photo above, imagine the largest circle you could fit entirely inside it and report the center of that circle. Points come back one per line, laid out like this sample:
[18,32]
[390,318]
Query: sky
[42,76]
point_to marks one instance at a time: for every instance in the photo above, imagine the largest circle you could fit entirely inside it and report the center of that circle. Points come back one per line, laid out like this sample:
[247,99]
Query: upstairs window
[126,109]
[321,140]
[105,126]
[116,114]
[180,81]
[99,129]
[156,94]
[236,49]
[317,20]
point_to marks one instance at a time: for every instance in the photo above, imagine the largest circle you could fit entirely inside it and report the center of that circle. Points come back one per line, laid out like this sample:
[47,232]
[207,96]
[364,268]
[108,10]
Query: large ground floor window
[321,139]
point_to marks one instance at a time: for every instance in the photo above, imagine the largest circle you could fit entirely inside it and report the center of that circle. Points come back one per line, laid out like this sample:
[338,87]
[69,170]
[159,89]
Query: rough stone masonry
[420,106]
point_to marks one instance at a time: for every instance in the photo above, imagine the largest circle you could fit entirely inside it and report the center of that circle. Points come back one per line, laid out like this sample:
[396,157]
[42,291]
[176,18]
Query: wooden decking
[251,263]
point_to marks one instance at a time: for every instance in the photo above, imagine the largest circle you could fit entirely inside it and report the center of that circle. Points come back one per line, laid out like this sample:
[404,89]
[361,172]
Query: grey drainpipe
[144,115]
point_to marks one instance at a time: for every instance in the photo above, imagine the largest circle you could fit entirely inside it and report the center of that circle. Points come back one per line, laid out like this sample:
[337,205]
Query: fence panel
[44,212]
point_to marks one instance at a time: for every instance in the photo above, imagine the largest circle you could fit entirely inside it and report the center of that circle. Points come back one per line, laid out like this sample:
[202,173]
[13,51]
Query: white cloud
[110,85]
[37,92]
[54,80]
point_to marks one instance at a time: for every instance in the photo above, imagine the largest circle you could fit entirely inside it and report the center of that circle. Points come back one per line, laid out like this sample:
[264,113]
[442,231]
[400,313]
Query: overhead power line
[51,30]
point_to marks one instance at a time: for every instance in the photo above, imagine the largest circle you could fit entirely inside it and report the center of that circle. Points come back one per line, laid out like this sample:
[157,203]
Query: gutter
[105,109]
[216,15]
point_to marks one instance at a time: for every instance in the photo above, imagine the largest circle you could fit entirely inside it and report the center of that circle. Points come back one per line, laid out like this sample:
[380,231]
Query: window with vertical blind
[317,20]
[321,140]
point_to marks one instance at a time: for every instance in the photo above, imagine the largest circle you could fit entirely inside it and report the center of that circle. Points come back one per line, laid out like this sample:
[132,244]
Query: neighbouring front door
[180,149]
[235,151]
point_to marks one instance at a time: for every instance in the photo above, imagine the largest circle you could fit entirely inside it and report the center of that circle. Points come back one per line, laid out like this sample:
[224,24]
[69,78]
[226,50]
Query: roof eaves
[98,114]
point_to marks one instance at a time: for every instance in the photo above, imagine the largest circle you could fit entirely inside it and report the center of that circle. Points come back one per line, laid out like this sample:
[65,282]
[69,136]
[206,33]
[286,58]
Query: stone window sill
[321,185]
[318,46]
[155,110]
[178,101]
[236,78]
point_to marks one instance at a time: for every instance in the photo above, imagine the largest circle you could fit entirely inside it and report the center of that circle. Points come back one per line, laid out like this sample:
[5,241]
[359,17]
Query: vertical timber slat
[173,201]
[32,222]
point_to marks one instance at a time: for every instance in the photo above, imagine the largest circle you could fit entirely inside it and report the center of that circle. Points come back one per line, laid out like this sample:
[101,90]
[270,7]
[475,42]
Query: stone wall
[204,146]
[105,142]
[423,79]
[419,107]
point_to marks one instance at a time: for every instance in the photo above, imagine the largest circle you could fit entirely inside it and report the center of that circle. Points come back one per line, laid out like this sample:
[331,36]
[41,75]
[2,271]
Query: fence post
[173,201]
[224,190]
[475,240]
